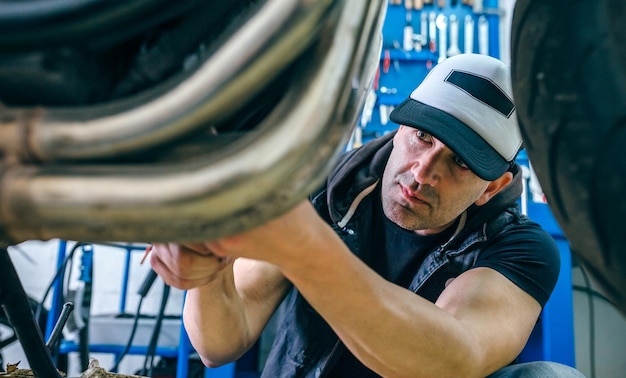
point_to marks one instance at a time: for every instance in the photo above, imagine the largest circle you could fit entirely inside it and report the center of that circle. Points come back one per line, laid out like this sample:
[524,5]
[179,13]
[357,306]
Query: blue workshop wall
[412,45]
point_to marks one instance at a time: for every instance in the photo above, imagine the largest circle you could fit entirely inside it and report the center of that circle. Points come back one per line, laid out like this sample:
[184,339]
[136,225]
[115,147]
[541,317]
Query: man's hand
[278,241]
[186,266]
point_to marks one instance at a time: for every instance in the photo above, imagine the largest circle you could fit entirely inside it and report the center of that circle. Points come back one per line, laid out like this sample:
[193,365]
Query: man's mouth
[411,196]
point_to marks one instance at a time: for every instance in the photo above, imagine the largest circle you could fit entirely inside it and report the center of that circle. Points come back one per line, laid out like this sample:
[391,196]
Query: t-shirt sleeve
[528,256]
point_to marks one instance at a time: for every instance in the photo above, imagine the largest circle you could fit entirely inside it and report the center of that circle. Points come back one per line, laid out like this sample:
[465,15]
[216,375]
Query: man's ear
[494,188]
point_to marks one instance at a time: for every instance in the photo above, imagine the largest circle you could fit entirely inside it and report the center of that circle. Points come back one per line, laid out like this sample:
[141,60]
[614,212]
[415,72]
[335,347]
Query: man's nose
[427,167]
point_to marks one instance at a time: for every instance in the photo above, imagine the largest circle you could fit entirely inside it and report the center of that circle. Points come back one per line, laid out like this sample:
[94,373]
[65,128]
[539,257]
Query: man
[413,260]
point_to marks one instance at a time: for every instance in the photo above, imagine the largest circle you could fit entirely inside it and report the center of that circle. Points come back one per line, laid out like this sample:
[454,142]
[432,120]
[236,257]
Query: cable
[151,352]
[594,293]
[60,271]
[143,292]
[129,343]
[33,11]
[147,283]
[592,322]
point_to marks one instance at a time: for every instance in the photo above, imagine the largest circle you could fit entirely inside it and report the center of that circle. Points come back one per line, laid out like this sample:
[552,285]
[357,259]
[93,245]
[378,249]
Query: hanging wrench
[407,42]
[442,25]
[454,36]
[424,28]
[432,32]
[477,7]
[407,37]
[469,34]
[483,35]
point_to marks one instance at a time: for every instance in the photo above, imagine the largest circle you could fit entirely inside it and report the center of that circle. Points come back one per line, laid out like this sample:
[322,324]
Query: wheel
[568,65]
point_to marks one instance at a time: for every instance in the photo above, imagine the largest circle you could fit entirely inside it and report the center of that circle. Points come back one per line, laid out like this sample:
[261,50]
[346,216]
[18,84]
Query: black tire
[568,62]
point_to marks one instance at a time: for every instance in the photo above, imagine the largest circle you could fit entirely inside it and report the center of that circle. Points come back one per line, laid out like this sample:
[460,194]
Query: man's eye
[460,162]
[422,135]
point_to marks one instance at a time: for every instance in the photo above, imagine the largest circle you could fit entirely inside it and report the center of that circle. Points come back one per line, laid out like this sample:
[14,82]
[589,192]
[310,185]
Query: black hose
[129,343]
[46,23]
[143,292]
[148,364]
[29,12]
[59,273]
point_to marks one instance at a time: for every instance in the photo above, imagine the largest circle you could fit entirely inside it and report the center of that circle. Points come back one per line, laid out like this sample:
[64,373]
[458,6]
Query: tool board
[416,36]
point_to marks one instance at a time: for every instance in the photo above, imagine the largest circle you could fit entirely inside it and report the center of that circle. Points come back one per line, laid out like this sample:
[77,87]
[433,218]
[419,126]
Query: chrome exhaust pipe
[71,173]
[271,39]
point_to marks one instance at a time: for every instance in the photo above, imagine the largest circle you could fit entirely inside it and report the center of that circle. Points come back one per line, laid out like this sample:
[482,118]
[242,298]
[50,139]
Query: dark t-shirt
[518,256]
[403,252]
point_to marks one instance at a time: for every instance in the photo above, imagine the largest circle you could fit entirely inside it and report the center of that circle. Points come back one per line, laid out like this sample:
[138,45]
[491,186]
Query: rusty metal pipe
[270,40]
[249,181]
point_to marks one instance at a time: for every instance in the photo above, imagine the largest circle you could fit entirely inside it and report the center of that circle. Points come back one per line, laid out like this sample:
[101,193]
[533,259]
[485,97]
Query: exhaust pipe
[173,163]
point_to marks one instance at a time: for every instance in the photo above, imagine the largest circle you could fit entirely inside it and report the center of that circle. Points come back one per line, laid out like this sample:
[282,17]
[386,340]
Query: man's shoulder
[513,224]
[525,253]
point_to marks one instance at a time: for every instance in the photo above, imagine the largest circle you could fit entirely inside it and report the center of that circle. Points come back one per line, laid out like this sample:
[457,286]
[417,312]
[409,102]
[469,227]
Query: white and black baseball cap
[466,101]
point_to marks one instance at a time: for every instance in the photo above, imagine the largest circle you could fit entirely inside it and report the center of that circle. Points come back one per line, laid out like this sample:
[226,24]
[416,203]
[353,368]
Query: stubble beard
[401,213]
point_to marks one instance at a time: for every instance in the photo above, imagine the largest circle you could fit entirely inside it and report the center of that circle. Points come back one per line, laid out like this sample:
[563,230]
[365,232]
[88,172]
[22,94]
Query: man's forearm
[226,317]
[214,318]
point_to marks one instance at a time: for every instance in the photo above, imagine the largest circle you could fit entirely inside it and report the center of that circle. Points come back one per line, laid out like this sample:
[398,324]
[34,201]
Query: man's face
[425,185]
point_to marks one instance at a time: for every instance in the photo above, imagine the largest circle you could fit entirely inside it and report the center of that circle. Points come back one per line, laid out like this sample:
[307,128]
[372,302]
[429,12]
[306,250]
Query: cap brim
[479,156]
